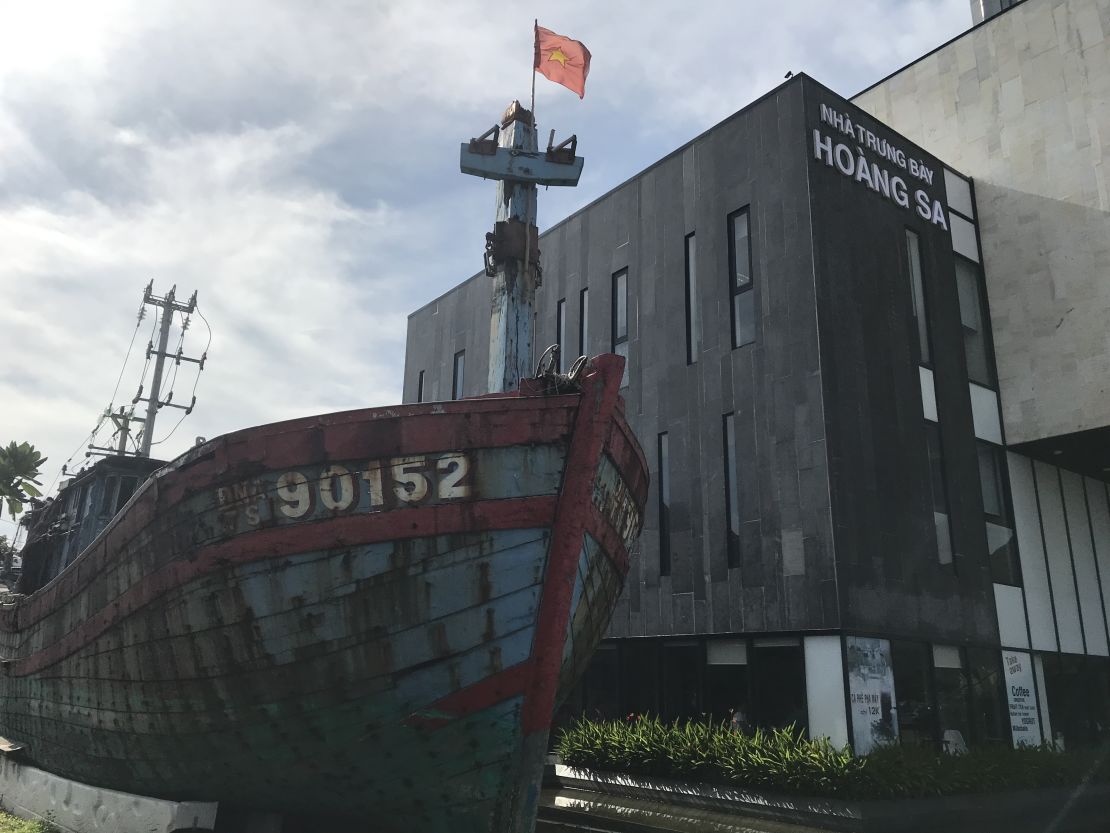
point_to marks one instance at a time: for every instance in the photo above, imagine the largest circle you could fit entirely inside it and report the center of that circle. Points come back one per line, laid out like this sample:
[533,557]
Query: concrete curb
[1028,811]
[74,807]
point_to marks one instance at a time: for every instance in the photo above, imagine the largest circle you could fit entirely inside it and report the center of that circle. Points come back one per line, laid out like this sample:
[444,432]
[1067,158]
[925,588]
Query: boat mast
[507,152]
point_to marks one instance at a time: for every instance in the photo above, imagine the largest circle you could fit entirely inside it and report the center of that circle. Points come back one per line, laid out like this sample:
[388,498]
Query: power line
[196,379]
[138,321]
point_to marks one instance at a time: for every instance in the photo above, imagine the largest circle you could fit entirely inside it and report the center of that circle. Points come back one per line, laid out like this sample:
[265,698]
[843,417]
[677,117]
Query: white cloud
[295,163]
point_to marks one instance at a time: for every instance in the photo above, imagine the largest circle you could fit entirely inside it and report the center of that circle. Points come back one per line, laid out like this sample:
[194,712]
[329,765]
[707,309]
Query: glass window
[693,311]
[952,698]
[732,497]
[457,379]
[1077,689]
[726,682]
[681,681]
[939,493]
[127,487]
[561,333]
[83,499]
[917,294]
[664,506]
[1001,541]
[913,691]
[108,496]
[620,319]
[420,386]
[601,685]
[583,322]
[778,684]
[976,342]
[740,278]
[990,710]
[640,676]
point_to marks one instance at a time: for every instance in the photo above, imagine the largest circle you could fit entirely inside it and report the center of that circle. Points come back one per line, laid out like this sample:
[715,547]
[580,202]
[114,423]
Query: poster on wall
[1025,722]
[871,693]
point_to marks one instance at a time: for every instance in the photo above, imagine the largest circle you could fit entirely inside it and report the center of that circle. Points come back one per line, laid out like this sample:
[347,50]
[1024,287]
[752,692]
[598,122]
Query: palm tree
[19,471]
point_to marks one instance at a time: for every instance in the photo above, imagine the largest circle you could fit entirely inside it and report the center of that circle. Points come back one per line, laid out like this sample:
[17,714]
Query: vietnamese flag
[562,60]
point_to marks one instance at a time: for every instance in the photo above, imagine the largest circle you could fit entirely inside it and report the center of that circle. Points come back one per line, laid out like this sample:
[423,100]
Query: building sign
[877,164]
[871,692]
[1025,722]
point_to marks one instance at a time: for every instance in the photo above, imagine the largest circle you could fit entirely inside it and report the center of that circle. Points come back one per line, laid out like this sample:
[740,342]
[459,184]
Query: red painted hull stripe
[488,692]
[593,423]
[279,542]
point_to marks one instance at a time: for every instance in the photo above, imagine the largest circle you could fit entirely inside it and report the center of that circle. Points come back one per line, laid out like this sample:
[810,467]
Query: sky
[296,164]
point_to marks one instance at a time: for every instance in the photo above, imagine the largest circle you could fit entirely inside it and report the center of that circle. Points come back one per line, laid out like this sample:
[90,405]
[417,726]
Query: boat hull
[367,613]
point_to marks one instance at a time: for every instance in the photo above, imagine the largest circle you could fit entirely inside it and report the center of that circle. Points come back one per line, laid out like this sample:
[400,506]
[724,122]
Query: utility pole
[122,420]
[168,305]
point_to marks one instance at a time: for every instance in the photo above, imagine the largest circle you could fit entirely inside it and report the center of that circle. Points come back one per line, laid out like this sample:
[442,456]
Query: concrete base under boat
[74,807]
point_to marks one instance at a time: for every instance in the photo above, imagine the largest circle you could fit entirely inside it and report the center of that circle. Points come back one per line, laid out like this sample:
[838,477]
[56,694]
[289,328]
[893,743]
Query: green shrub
[783,760]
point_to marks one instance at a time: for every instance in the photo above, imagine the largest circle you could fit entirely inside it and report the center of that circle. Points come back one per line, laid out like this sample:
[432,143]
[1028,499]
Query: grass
[784,761]
[14,824]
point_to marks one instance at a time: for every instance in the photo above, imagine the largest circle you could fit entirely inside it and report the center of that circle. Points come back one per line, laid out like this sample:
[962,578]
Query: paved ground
[567,811]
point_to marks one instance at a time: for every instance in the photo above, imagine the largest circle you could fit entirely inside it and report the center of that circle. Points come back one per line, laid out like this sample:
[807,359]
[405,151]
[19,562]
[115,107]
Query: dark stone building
[811,374]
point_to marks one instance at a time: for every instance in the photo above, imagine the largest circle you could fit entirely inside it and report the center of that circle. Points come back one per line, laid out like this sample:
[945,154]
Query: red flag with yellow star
[562,60]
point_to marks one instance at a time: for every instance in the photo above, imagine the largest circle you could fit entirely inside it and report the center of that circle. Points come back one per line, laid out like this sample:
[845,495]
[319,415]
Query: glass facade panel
[664,481]
[420,386]
[939,493]
[601,685]
[976,344]
[1001,541]
[913,690]
[561,333]
[1078,692]
[952,702]
[620,305]
[682,666]
[584,322]
[640,664]
[740,278]
[990,711]
[457,376]
[693,311]
[732,498]
[778,686]
[620,319]
[741,251]
[917,293]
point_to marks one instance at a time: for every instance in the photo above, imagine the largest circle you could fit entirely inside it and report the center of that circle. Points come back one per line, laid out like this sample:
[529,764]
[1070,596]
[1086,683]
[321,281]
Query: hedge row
[784,761]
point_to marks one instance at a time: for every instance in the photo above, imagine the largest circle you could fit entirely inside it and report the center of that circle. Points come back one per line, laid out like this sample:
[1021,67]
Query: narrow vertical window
[1001,543]
[693,312]
[917,293]
[620,319]
[740,278]
[584,322]
[664,506]
[732,498]
[969,284]
[457,379]
[939,493]
[561,332]
[420,386]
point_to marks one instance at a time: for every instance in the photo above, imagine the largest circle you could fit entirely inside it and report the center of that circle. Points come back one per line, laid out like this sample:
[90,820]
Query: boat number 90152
[399,481]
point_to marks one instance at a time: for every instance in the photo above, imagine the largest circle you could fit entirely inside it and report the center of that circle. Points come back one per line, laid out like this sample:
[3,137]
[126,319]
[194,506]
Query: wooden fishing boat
[371,613]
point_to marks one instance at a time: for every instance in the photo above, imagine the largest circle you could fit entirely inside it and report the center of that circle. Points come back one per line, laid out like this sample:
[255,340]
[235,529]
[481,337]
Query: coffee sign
[1017,673]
